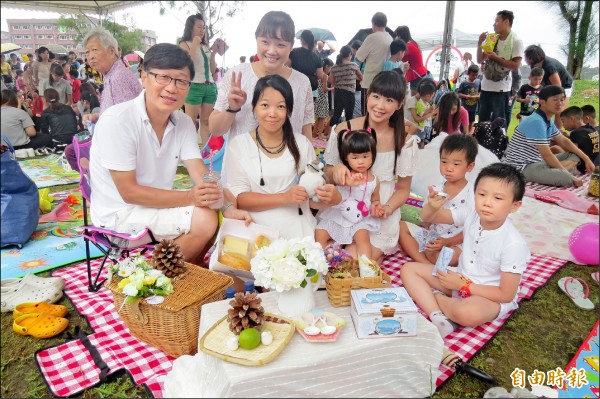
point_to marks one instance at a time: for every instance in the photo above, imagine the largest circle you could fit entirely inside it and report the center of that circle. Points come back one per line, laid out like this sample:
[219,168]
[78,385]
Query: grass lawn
[543,334]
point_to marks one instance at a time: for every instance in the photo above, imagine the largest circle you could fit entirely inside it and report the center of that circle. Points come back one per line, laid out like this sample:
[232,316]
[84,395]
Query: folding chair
[112,244]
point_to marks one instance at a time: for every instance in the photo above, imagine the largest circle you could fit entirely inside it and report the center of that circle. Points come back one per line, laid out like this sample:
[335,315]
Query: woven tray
[338,289]
[214,341]
[172,326]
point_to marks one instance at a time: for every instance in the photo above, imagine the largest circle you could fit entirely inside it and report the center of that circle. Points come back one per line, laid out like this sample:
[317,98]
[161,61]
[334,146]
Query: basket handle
[136,313]
[386,281]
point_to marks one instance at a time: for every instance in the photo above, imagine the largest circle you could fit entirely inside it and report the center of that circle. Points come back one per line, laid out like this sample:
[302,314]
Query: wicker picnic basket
[338,289]
[172,326]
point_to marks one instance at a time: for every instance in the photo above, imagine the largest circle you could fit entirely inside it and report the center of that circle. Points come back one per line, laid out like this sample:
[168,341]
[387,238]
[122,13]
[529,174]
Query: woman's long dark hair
[391,84]
[52,98]
[403,32]
[189,27]
[448,100]
[282,86]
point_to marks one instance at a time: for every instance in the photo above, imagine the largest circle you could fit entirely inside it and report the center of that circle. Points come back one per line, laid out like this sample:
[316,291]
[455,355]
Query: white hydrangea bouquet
[286,264]
[139,279]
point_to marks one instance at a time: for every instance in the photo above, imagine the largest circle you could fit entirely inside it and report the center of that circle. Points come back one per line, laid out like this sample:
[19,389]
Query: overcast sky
[535,22]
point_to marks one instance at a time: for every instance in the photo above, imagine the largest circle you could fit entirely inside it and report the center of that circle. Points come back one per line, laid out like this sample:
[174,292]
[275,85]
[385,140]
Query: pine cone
[168,258]
[246,312]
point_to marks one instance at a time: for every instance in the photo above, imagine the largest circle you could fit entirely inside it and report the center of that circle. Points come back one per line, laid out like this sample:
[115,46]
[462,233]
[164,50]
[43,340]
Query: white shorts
[414,229]
[165,223]
[505,307]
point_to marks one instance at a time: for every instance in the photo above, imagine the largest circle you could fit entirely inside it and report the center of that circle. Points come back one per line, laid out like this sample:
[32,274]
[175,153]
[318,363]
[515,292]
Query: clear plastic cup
[214,177]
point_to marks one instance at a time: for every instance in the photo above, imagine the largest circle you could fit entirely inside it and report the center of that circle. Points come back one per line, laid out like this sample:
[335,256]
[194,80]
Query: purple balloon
[584,243]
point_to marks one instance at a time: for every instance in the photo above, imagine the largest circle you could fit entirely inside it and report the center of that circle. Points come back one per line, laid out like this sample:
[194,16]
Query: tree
[583,32]
[129,39]
[212,11]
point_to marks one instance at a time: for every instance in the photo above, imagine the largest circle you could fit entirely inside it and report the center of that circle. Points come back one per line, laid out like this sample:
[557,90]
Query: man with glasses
[135,152]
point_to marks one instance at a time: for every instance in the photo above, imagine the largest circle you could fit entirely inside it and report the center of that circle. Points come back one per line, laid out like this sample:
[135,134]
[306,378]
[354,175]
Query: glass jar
[594,183]
[214,177]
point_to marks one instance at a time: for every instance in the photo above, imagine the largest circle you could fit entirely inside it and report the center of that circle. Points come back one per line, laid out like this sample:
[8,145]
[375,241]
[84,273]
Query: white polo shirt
[488,253]
[123,141]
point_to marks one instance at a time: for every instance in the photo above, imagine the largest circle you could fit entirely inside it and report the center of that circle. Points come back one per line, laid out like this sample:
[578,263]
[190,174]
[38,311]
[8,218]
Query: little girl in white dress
[352,220]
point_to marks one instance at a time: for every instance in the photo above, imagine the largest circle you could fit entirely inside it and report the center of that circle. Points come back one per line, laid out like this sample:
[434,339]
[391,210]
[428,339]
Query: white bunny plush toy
[312,177]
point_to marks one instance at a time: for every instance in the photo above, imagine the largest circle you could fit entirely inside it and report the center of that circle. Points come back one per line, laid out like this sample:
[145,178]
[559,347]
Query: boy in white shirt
[457,158]
[485,284]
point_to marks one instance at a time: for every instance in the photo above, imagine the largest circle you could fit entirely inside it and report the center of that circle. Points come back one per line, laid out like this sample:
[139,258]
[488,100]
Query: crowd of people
[271,108]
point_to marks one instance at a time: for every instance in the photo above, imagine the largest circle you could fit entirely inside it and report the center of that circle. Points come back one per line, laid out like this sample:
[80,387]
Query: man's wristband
[233,111]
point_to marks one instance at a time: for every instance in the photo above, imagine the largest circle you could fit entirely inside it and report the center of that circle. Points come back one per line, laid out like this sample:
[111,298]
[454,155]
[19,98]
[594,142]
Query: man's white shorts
[165,223]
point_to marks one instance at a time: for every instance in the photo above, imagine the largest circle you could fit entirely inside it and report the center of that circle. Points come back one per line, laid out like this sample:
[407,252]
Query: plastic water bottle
[90,127]
[230,293]
[249,287]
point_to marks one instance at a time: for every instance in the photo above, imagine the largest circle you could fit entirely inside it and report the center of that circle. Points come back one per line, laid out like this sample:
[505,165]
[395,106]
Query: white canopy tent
[460,39]
[101,8]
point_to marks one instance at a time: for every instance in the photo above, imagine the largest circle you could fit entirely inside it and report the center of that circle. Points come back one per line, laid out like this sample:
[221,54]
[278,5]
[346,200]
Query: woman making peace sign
[274,41]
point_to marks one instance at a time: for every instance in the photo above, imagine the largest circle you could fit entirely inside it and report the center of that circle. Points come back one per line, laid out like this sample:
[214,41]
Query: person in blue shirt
[397,50]
[529,148]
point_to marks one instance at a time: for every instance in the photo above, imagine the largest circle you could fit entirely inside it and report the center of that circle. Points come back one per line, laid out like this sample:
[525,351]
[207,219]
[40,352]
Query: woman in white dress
[396,157]
[263,166]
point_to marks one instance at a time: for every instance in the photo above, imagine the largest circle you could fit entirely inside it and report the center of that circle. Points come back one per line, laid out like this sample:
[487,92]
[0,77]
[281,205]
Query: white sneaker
[11,284]
[27,293]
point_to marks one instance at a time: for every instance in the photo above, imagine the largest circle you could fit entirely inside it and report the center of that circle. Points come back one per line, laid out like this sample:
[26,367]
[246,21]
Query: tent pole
[447,40]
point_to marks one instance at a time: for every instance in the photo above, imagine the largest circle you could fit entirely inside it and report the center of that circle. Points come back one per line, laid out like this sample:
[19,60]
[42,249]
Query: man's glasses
[166,80]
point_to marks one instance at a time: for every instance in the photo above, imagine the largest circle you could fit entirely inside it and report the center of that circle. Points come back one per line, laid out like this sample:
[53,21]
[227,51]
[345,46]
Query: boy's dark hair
[19,72]
[9,97]
[550,91]
[168,56]
[505,14]
[379,19]
[397,45]
[275,21]
[473,68]
[327,62]
[589,111]
[426,86]
[460,142]
[534,54]
[356,142]
[537,71]
[506,173]
[285,89]
[573,110]
[356,44]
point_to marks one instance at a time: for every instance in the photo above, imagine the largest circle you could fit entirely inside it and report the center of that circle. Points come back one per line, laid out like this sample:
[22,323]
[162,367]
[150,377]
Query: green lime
[249,338]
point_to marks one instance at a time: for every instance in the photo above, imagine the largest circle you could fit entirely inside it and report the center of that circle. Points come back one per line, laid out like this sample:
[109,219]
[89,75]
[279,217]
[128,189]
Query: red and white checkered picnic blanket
[69,368]
[467,341]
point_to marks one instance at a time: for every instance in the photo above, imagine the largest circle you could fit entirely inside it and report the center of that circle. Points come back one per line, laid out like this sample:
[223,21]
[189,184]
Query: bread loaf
[234,260]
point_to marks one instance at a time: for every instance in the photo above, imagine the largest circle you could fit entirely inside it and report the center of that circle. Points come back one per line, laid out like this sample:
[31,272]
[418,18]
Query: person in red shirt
[416,69]
[452,117]
[76,83]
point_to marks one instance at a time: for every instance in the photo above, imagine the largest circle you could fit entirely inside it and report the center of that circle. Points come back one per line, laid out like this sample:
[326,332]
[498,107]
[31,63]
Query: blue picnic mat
[584,363]
[48,172]
[52,244]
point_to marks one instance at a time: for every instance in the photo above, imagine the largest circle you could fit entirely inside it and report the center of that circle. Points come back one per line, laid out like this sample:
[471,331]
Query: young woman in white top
[396,158]
[274,40]
[263,165]
[203,92]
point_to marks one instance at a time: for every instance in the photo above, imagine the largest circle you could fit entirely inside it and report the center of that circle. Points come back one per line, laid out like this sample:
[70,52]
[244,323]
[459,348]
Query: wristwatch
[233,111]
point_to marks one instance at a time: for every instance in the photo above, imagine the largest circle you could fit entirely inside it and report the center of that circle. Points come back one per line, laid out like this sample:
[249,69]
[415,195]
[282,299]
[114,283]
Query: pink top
[120,85]
[463,120]
[414,56]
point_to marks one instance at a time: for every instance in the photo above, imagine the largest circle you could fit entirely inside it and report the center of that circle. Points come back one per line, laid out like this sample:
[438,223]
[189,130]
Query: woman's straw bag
[172,326]
[338,289]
